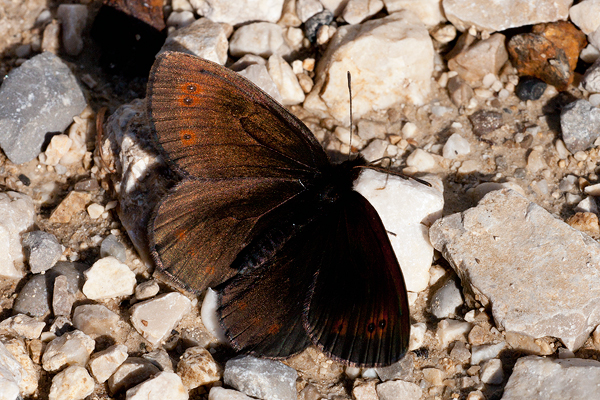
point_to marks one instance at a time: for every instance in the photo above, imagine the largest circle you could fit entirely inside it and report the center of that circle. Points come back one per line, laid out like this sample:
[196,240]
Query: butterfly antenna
[350,95]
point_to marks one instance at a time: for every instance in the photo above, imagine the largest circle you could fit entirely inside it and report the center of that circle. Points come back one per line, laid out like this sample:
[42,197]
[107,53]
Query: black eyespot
[382,324]
[187,136]
[188,100]
[371,327]
[191,88]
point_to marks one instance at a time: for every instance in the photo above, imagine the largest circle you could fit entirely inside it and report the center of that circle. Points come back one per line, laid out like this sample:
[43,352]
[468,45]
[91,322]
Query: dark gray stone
[485,122]
[40,96]
[112,247]
[446,299]
[43,250]
[34,298]
[312,25]
[62,299]
[265,379]
[580,125]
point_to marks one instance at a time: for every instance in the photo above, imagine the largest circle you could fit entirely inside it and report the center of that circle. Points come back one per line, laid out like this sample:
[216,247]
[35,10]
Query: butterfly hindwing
[358,309]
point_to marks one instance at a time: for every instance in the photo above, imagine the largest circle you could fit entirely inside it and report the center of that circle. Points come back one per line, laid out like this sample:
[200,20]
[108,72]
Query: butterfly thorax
[339,180]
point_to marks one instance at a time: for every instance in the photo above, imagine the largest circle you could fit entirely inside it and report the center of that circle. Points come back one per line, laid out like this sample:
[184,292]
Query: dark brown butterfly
[262,215]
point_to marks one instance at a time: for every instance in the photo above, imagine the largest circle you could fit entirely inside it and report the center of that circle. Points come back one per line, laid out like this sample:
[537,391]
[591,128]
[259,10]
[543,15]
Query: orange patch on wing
[273,329]
[187,137]
[189,94]
[181,234]
[340,327]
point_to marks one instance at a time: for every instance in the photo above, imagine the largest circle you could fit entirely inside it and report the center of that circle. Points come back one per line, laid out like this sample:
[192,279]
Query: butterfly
[262,216]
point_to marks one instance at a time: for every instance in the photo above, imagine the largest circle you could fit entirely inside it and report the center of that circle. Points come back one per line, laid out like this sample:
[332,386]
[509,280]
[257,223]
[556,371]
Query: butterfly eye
[382,324]
[371,327]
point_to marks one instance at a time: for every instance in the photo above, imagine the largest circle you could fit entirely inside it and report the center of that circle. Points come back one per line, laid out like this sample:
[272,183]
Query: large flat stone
[539,276]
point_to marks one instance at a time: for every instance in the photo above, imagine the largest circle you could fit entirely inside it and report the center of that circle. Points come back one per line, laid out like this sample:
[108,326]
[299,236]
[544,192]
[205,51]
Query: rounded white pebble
[95,210]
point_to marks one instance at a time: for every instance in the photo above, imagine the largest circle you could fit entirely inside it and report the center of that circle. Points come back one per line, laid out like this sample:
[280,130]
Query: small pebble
[146,289]
[530,88]
[62,298]
[23,325]
[220,393]
[73,18]
[73,383]
[104,363]
[491,372]
[485,122]
[486,352]
[312,25]
[450,330]
[96,320]
[33,299]
[420,160]
[108,278]
[580,125]
[132,371]
[446,300]
[197,367]
[165,385]
[456,146]
[43,249]
[262,378]
[72,348]
[155,319]
[95,210]
[111,247]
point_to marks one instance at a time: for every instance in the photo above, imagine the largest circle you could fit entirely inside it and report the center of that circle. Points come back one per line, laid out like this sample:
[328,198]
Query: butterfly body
[296,256]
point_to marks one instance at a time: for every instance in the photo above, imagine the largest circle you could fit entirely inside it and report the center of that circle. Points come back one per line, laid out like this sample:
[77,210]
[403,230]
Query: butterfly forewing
[358,309]
[214,124]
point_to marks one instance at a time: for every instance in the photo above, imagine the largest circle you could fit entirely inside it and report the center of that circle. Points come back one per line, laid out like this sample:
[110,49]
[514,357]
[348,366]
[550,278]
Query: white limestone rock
[335,6]
[456,146]
[197,367]
[307,8]
[430,12]
[395,390]
[390,59]
[73,383]
[104,363]
[220,393]
[165,385]
[511,254]
[406,208]
[586,15]
[259,75]
[260,38]
[18,216]
[10,375]
[155,319]
[492,16]
[356,11]
[72,348]
[536,378]
[203,38]
[108,278]
[286,81]
[240,11]
[210,318]
[22,325]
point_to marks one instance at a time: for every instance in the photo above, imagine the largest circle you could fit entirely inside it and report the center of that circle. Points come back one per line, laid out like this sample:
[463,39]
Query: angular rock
[18,215]
[22,325]
[259,75]
[146,289]
[407,219]
[203,38]
[395,390]
[62,299]
[429,11]
[72,348]
[262,378]
[238,12]
[133,371]
[34,298]
[476,60]
[511,254]
[586,15]
[10,374]
[111,247]
[446,300]
[73,383]
[580,125]
[312,25]
[287,84]
[43,249]
[197,367]
[536,378]
[356,11]
[485,122]
[30,372]
[391,61]
[165,385]
[220,393]
[155,319]
[456,146]
[591,78]
[260,38]
[95,320]
[307,8]
[108,278]
[498,16]
[104,363]
[40,96]
[74,203]
[549,52]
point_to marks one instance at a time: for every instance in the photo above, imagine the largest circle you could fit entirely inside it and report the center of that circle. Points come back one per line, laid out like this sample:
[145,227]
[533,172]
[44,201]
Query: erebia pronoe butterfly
[262,215]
